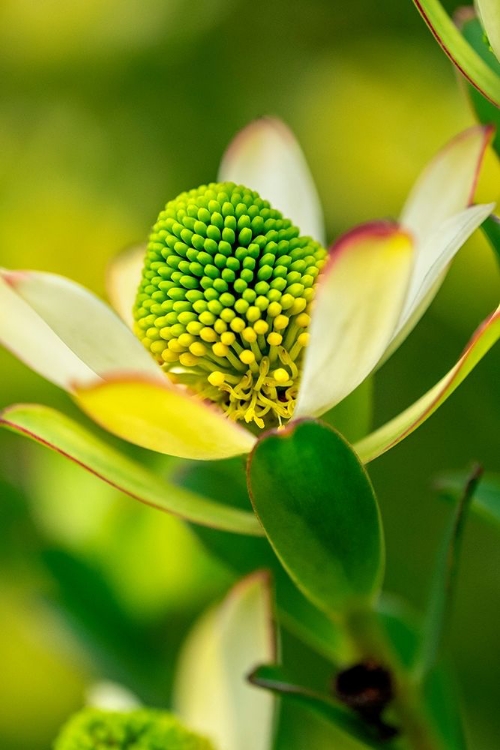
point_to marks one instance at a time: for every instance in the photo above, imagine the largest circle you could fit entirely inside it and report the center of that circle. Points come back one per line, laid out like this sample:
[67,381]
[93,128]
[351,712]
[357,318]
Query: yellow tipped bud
[220,349]
[281,322]
[303,320]
[303,339]
[158,346]
[249,335]
[299,305]
[280,375]
[208,334]
[169,356]
[198,349]
[274,339]
[274,309]
[174,346]
[194,327]
[228,338]
[260,327]
[238,325]
[188,360]
[185,339]
[216,378]
[247,357]
[220,326]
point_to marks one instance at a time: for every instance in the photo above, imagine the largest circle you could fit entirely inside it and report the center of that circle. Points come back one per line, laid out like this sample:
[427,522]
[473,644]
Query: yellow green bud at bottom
[142,729]
[224,300]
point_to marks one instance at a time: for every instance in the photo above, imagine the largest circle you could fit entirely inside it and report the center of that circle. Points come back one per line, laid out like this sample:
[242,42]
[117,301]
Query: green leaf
[486,112]
[272,677]
[320,513]
[486,500]
[491,228]
[460,52]
[61,434]
[438,613]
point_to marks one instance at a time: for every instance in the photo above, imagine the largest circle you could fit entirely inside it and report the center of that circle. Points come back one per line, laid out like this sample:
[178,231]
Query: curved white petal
[122,281]
[266,157]
[64,332]
[433,257]
[359,300]
[211,694]
[447,184]
[489,12]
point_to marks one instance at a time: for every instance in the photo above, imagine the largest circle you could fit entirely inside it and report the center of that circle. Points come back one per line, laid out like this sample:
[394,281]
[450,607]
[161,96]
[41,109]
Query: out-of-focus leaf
[19,537]
[320,513]
[491,228]
[444,580]
[273,677]
[486,500]
[473,32]
[58,432]
[88,605]
[460,52]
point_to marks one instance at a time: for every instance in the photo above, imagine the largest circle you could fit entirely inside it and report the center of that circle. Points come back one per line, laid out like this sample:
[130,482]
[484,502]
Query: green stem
[367,635]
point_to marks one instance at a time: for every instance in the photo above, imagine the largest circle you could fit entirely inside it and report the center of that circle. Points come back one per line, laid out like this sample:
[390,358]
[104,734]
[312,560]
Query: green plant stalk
[366,633]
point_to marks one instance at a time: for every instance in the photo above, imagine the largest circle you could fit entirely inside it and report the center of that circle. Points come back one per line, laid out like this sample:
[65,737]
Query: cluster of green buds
[142,729]
[224,301]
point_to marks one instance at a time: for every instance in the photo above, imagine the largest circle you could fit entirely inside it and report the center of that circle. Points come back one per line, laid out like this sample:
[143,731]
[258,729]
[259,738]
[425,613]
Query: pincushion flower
[246,320]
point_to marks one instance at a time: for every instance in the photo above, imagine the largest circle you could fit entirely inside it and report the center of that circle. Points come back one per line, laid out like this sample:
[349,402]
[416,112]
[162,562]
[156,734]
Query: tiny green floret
[225,297]
[142,729]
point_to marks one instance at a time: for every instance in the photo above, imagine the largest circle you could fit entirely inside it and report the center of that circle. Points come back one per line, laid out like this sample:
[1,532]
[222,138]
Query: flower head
[247,320]
[225,297]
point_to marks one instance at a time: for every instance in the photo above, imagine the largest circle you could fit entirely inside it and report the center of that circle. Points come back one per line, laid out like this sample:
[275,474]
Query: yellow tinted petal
[163,418]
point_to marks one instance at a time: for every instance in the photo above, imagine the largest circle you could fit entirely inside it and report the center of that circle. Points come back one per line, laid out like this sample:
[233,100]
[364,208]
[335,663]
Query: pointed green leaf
[61,434]
[473,33]
[272,677]
[443,587]
[320,513]
[466,59]
[486,500]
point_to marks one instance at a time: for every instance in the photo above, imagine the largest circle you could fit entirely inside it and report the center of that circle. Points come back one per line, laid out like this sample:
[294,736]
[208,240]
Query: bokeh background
[108,108]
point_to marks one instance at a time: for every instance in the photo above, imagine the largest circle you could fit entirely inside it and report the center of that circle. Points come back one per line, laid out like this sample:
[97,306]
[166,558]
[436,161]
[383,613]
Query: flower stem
[367,635]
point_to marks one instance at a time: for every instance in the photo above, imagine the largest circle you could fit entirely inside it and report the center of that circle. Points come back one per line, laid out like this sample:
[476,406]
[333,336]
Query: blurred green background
[108,108]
